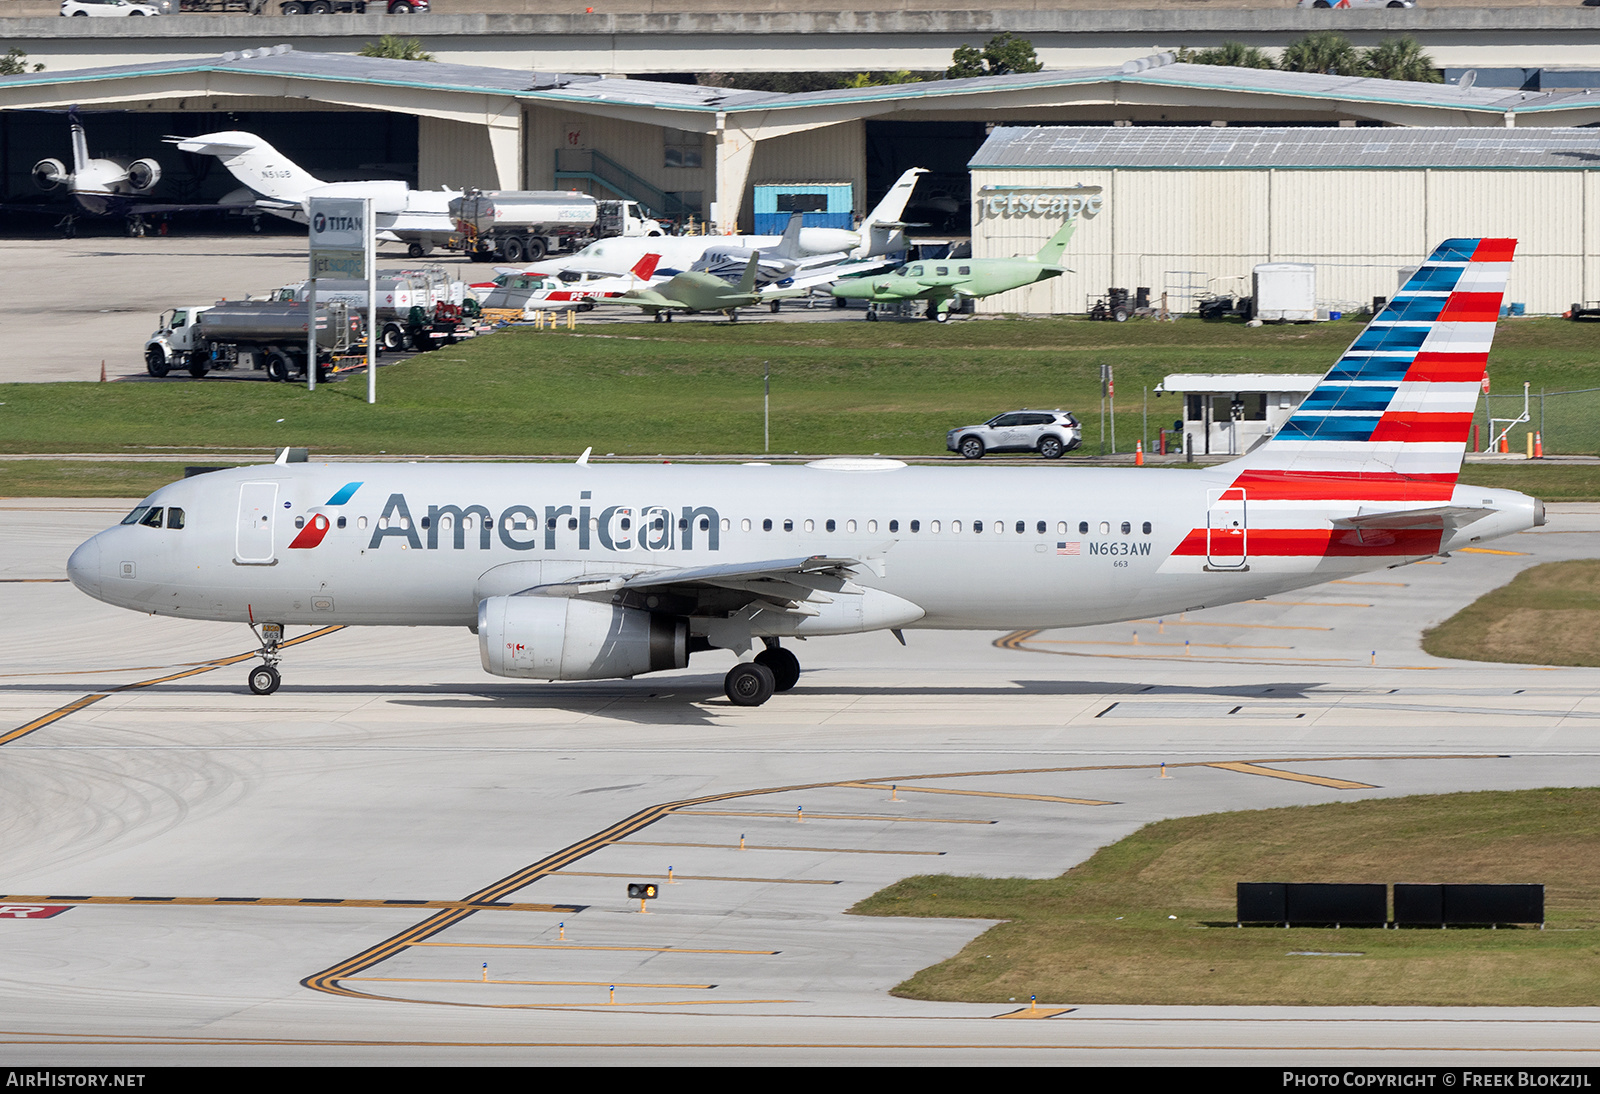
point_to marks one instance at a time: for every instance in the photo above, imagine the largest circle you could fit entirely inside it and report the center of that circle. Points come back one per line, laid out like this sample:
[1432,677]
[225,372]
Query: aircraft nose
[84,566]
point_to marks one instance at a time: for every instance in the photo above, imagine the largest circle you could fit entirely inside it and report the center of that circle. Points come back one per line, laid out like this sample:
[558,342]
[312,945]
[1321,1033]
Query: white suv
[106,7]
[1047,432]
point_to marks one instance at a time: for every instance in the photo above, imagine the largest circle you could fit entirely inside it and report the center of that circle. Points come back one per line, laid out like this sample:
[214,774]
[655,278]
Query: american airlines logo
[531,527]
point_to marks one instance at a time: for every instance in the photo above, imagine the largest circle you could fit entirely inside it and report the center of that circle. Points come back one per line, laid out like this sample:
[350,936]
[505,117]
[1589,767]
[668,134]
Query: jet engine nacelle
[50,173]
[819,241]
[143,174]
[556,638]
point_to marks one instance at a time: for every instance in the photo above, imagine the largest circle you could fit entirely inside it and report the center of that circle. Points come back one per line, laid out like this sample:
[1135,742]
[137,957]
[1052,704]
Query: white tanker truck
[255,334]
[526,225]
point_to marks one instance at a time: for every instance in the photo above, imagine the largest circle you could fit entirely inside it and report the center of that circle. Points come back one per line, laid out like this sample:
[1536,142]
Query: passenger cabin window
[1126,527]
[1040,528]
[916,526]
[788,525]
[1147,528]
[964,270]
[942,271]
[977,527]
[766,525]
[894,526]
[1083,527]
[1022,526]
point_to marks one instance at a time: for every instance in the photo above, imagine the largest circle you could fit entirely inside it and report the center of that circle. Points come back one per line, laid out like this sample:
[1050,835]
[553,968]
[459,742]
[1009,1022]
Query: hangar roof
[1238,148]
[1150,79]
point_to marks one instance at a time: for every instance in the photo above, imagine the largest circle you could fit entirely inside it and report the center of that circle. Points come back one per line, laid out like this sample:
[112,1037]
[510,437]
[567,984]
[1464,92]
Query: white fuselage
[405,555]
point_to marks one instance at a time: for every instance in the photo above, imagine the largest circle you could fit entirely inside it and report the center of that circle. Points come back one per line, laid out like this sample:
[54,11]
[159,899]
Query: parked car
[1358,3]
[106,7]
[1047,432]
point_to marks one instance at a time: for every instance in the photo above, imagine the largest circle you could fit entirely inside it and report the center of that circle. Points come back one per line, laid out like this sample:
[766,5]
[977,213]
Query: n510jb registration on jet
[582,572]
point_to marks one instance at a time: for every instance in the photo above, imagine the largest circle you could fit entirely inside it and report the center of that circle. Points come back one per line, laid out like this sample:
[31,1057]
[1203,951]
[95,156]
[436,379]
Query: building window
[682,149]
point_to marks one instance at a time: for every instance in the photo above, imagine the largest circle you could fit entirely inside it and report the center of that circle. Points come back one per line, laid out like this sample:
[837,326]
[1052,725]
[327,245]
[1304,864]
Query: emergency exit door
[253,539]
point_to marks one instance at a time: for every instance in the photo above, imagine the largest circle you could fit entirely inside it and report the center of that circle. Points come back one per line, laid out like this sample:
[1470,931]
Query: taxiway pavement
[397,858]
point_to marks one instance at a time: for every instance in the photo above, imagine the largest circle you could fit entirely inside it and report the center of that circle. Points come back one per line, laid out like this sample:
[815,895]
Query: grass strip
[1101,932]
[1548,615]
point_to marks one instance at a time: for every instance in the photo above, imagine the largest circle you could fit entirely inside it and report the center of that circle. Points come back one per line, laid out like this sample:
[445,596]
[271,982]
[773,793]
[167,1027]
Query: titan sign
[1054,202]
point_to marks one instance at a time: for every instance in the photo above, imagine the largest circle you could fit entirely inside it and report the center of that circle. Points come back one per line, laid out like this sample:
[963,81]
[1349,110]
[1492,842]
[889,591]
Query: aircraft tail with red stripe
[1395,412]
[1364,471]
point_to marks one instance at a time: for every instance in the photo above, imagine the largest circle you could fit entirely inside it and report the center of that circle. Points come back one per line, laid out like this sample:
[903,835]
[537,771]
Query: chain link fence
[1567,421]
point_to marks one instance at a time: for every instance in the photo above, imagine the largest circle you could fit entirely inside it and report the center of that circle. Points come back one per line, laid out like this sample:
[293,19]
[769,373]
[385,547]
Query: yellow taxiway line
[979,793]
[1292,776]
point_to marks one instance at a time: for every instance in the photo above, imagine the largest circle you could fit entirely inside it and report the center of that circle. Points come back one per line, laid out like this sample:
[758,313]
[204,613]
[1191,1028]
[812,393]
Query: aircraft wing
[790,584]
[1438,516]
[646,298]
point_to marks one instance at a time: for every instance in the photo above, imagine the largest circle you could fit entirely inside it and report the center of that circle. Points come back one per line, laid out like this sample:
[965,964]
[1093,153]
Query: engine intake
[143,174]
[555,638]
[48,174]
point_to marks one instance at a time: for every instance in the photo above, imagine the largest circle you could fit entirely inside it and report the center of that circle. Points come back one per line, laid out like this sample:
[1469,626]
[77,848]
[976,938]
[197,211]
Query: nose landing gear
[264,678]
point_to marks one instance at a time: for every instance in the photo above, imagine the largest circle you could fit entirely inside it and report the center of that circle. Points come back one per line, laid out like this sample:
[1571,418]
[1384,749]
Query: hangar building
[680,147]
[1181,210]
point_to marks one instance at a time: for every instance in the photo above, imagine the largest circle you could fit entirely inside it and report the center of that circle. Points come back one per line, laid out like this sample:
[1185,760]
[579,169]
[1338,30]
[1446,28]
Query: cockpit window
[152,519]
[174,517]
[133,517]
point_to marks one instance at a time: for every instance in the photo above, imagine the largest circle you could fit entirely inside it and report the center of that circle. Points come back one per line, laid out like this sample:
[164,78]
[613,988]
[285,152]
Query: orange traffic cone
[1505,445]
[1538,446]
[1138,453]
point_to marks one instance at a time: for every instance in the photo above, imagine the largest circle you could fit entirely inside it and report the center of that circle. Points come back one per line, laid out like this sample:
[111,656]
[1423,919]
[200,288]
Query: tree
[15,63]
[1400,59]
[1325,51]
[1002,55]
[394,48]
[1234,54]
[878,79]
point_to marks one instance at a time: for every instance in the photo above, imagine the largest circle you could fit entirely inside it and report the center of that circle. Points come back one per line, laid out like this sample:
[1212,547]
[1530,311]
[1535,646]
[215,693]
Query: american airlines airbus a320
[584,572]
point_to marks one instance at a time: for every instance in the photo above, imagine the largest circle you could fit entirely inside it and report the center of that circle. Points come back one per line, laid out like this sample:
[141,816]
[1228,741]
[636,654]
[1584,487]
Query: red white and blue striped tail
[1392,418]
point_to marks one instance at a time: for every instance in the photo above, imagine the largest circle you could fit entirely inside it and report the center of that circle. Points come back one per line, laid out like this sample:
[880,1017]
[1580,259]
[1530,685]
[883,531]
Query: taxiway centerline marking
[1487,551]
[709,877]
[575,946]
[1293,776]
[1179,645]
[1313,603]
[980,793]
[293,902]
[1038,1012]
[89,700]
[830,816]
[536,983]
[775,847]
[1394,584]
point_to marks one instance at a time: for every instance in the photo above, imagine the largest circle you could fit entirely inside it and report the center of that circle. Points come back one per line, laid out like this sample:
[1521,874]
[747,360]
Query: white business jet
[881,233]
[415,217]
[583,572]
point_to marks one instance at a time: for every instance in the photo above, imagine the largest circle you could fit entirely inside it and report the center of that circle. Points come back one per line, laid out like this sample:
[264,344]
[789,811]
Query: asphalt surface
[399,859]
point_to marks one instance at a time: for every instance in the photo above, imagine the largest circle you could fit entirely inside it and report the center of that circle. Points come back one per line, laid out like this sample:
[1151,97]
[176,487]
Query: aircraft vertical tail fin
[747,283]
[254,162]
[1050,254]
[882,230]
[80,144]
[789,245]
[1398,405]
[645,267]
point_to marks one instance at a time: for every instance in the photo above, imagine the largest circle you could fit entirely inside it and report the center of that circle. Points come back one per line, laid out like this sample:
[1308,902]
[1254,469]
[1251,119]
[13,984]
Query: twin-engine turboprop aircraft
[582,572]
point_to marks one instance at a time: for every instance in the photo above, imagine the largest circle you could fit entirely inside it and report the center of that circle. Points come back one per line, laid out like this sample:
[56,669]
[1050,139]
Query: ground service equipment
[526,225]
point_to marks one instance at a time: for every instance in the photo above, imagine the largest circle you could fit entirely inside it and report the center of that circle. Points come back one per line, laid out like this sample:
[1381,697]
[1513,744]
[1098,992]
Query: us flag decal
[1074,548]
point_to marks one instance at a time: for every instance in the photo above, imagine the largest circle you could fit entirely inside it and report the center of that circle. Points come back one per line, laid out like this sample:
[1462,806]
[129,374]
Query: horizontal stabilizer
[1438,516]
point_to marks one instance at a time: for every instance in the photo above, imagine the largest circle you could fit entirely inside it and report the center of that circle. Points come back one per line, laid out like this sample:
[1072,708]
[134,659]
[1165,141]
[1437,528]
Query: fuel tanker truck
[417,309]
[526,225]
[254,334]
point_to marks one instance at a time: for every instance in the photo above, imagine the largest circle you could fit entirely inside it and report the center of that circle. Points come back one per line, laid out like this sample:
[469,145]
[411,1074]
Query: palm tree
[1325,51]
[1234,54]
[1400,59]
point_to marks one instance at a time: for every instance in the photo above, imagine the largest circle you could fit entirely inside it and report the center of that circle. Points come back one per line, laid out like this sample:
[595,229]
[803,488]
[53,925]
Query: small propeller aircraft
[694,291]
[943,282]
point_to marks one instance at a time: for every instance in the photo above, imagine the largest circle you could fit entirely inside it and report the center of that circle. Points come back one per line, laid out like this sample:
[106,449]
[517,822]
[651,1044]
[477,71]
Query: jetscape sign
[1053,202]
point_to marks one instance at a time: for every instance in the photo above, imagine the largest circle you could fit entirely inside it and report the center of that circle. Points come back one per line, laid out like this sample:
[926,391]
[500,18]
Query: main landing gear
[264,678]
[751,683]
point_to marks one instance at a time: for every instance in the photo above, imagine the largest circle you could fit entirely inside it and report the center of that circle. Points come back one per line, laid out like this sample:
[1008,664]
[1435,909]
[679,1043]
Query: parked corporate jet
[881,233]
[584,572]
[943,282]
[102,186]
[282,187]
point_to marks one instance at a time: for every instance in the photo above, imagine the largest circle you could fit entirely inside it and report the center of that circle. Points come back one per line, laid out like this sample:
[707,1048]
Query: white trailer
[1285,292]
[526,225]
